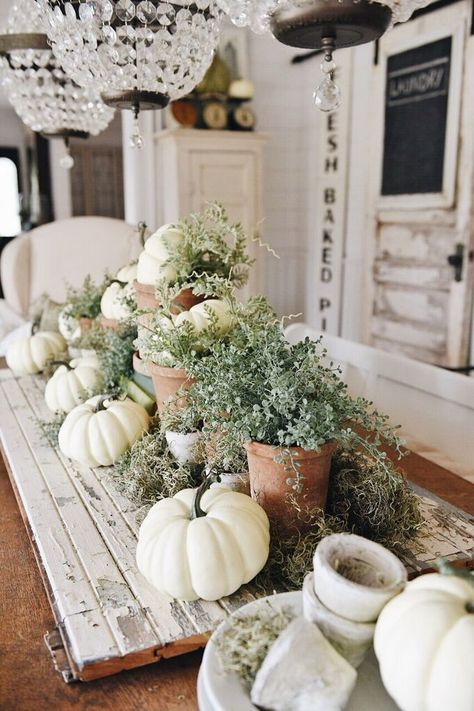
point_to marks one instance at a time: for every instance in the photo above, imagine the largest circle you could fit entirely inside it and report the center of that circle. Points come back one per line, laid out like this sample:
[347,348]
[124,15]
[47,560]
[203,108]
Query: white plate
[224,692]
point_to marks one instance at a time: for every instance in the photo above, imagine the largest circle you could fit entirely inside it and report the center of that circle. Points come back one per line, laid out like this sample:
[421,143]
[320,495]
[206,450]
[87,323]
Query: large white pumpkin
[72,384]
[98,432]
[158,248]
[209,556]
[424,642]
[199,316]
[29,355]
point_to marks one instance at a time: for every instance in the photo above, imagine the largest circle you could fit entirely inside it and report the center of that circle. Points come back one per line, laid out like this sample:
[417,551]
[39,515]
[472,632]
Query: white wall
[286,113]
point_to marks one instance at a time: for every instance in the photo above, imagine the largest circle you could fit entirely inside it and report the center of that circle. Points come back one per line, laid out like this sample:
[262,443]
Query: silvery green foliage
[281,394]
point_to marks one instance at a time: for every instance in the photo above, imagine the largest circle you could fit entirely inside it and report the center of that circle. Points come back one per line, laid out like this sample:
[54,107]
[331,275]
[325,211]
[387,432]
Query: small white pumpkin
[203,543]
[72,384]
[199,316]
[98,432]
[424,642]
[112,303]
[128,273]
[29,355]
[158,248]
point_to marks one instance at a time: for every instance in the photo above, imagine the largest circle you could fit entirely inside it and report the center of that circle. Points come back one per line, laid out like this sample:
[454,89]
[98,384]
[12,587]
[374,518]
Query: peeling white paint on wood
[85,533]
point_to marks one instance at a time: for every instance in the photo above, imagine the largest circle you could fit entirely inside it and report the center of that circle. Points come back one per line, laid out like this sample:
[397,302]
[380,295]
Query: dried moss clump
[148,472]
[248,639]
[372,502]
[363,498]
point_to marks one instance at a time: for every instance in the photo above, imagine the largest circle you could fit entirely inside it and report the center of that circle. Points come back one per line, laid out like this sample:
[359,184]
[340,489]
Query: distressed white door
[417,304]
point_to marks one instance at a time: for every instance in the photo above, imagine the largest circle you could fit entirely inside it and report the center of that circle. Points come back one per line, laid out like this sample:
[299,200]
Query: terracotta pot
[269,483]
[111,323]
[167,382]
[139,365]
[85,323]
[146,298]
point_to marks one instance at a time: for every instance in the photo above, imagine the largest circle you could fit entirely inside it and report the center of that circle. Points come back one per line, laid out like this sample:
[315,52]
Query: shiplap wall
[285,112]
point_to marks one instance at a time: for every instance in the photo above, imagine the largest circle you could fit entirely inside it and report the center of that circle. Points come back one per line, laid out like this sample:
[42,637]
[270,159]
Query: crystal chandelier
[45,99]
[322,25]
[139,54]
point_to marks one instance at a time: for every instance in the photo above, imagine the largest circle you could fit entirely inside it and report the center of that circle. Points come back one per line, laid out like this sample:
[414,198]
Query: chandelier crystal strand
[43,96]
[139,54]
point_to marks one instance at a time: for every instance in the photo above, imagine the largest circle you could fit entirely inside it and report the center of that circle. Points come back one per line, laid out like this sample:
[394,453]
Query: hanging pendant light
[324,25]
[44,98]
[140,54]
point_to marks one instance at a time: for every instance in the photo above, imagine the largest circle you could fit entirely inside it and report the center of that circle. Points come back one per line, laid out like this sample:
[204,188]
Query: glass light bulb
[67,162]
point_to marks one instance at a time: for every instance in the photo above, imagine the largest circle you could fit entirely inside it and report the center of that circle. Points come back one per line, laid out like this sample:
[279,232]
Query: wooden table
[27,679]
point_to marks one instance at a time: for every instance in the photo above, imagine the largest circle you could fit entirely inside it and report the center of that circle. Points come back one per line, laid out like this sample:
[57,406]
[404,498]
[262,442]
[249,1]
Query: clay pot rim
[270,451]
[167,372]
[144,288]
[109,322]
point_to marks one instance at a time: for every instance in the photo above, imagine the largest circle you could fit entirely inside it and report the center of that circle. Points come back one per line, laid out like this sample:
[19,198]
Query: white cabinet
[195,167]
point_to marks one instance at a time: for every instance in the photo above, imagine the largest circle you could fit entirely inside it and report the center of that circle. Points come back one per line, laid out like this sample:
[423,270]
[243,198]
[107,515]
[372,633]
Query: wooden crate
[84,534]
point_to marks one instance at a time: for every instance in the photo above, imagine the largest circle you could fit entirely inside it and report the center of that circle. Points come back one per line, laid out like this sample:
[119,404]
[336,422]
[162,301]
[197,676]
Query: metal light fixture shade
[346,22]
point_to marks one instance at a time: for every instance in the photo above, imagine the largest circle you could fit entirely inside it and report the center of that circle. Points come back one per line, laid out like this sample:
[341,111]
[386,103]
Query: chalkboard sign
[416,109]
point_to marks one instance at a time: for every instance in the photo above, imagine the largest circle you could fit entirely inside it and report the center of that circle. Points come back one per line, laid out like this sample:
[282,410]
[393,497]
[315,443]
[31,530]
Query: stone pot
[355,577]
[167,382]
[351,639]
[182,446]
[111,323]
[271,482]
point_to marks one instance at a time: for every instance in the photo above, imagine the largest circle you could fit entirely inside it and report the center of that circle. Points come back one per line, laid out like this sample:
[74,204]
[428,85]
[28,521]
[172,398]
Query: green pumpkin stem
[35,326]
[196,510]
[100,402]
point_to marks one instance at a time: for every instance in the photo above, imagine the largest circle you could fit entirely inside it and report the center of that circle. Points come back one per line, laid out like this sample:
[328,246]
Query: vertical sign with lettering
[331,209]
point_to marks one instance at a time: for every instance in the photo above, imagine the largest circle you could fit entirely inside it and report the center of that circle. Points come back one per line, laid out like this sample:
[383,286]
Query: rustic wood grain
[28,681]
[66,493]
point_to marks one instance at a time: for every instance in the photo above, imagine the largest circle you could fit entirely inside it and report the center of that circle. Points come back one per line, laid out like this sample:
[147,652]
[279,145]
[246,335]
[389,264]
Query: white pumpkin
[29,355]
[112,303]
[209,555]
[72,384]
[98,432]
[198,316]
[157,250]
[424,642]
[128,273]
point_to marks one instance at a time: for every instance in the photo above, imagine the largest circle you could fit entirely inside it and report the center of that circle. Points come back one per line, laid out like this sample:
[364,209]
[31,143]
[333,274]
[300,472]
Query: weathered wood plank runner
[84,534]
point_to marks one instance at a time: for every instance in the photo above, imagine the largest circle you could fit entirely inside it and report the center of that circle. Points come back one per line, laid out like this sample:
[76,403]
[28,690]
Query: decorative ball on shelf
[29,355]
[71,384]
[98,432]
[424,643]
[241,118]
[203,543]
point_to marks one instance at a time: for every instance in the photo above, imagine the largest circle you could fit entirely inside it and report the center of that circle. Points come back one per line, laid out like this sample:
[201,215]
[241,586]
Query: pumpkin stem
[101,401]
[470,607]
[35,326]
[447,569]
[196,510]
